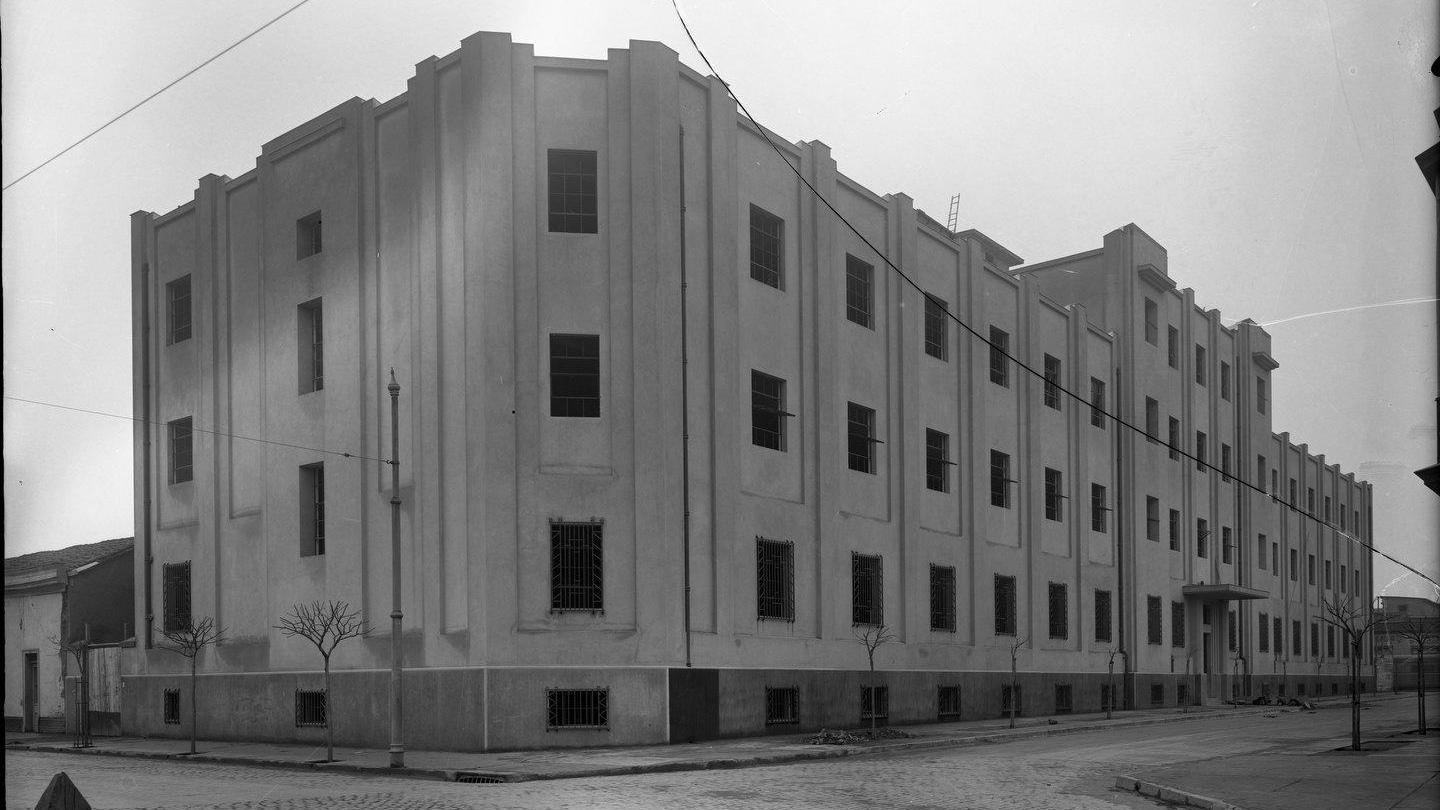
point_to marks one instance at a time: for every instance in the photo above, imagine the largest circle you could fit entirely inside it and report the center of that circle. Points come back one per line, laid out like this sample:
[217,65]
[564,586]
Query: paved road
[1074,772]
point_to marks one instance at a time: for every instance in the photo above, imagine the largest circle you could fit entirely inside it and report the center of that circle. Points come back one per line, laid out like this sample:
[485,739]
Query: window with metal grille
[1263,638]
[1233,630]
[1107,698]
[1157,694]
[942,598]
[574,191]
[1199,364]
[1097,402]
[937,460]
[999,359]
[1174,529]
[1172,346]
[577,570]
[310,708]
[875,703]
[1098,507]
[1054,495]
[1152,322]
[1152,518]
[1154,614]
[172,706]
[1202,538]
[860,426]
[1327,575]
[859,291]
[775,579]
[1052,382]
[1261,400]
[177,310]
[1225,462]
[767,411]
[782,705]
[1294,565]
[176,607]
[575,375]
[577,708]
[1152,420]
[1177,624]
[867,594]
[1277,636]
[1329,642]
[1224,380]
[182,450]
[1227,546]
[949,703]
[312,509]
[1173,439]
[1000,479]
[767,248]
[1005,618]
[1059,610]
[1202,445]
[1182,693]
[310,346]
[1011,696]
[1314,640]
[1102,616]
[1297,639]
[1310,569]
[307,236]
[937,327]
[1063,698]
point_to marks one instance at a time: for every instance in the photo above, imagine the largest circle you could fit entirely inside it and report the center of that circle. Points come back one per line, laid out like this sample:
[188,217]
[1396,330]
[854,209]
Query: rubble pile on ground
[841,737]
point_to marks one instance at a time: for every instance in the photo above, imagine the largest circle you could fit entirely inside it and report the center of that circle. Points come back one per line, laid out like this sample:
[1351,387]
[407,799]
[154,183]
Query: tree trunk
[1014,691]
[193,711]
[329,717]
[1355,696]
[1420,685]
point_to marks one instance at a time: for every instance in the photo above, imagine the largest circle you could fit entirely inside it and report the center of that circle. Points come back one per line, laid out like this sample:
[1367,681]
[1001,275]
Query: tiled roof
[68,558]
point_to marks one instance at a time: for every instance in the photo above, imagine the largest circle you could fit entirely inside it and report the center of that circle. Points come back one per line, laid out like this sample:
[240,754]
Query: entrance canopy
[1207,593]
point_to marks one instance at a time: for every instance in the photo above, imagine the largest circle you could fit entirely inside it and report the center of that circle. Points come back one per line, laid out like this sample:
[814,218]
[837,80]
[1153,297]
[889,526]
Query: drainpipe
[146,451]
[684,412]
[1125,677]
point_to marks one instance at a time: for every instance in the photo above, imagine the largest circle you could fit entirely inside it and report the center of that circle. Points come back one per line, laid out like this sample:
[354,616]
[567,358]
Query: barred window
[1154,614]
[775,579]
[1054,495]
[1097,402]
[577,708]
[949,703]
[1173,439]
[1172,346]
[177,309]
[859,291]
[942,598]
[1000,479]
[861,441]
[1152,518]
[1052,382]
[937,327]
[866,590]
[1103,621]
[1152,322]
[310,345]
[308,241]
[575,375]
[176,596]
[875,703]
[782,705]
[1063,698]
[1059,610]
[1098,507]
[767,248]
[937,460]
[577,571]
[310,708]
[1174,529]
[767,411]
[1263,637]
[1182,693]
[574,191]
[1005,618]
[1202,537]
[1010,698]
[1199,364]
[312,509]
[999,361]
[1107,698]
[1157,694]
[172,706]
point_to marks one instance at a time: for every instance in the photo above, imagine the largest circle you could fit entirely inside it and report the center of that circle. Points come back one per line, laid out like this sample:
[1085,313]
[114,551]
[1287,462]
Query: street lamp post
[397,748]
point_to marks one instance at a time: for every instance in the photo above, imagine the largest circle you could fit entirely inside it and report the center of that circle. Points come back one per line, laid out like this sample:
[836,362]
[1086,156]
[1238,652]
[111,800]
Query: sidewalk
[566,763]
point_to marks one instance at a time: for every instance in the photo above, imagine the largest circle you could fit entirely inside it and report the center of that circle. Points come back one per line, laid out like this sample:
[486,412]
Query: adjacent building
[672,436]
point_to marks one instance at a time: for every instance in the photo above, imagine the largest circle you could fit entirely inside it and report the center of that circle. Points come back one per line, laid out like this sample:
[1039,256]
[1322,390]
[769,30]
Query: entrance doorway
[32,690]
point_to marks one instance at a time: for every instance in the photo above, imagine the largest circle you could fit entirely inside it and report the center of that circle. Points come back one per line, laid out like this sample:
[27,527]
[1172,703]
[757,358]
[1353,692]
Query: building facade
[671,436]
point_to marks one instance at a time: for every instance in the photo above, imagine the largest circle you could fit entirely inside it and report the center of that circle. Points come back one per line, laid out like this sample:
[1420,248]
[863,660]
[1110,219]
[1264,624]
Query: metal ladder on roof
[953,220]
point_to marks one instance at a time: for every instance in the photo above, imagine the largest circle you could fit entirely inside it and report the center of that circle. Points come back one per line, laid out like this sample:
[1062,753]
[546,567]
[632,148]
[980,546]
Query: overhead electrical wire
[995,348]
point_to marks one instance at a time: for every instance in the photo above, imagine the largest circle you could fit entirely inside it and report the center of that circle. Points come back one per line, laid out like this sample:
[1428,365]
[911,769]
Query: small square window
[573,191]
[859,291]
[310,708]
[177,308]
[767,248]
[875,703]
[782,705]
[307,236]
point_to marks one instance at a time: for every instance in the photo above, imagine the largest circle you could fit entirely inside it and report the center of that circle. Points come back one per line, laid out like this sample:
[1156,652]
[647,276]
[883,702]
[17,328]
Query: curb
[1172,795]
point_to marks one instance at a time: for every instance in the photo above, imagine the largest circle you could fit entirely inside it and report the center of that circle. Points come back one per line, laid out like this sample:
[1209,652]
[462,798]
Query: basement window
[309,707]
[782,705]
[1157,694]
[875,703]
[1064,702]
[172,706]
[1011,696]
[949,700]
[577,708]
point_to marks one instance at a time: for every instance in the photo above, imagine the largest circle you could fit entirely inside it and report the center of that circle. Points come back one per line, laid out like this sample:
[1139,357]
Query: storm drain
[474,778]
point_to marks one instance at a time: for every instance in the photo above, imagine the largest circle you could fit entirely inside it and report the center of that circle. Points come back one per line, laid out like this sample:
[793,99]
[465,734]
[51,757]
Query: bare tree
[1421,632]
[324,624]
[189,641]
[872,636]
[1015,677]
[1355,621]
[78,649]
[1110,702]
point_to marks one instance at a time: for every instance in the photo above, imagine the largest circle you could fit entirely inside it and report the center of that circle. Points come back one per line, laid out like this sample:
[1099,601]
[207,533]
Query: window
[937,461]
[1097,402]
[1292,492]
[1260,556]
[1224,380]
[177,310]
[577,570]
[575,375]
[310,707]
[999,359]
[1052,382]
[1326,513]
[1294,565]
[1227,549]
[1202,537]
[1152,518]
[176,597]
[1182,693]
[312,509]
[1225,463]
[1274,482]
[1342,517]
[1310,569]
[1275,559]
[942,598]
[1342,579]
[1261,400]
[859,291]
[1005,619]
[1107,698]
[172,706]
[1054,495]
[1173,438]
[1152,322]
[1297,641]
[1310,500]
[1103,620]
[866,590]
[949,700]
[574,193]
[1263,638]
[782,705]
[1329,642]
[1327,575]
[1098,507]
[1356,572]
[1157,694]
[1260,471]
[1201,443]
[1278,638]
[310,346]
[774,579]
[1154,615]
[1174,529]
[767,411]
[1232,628]
[1000,479]
[1059,610]
[307,236]
[1199,364]
[860,422]
[1152,420]
[1063,698]
[1010,701]
[1177,624]
[767,248]
[875,703]
[937,327]
[182,452]
[577,708]
[1172,346]
[1314,640]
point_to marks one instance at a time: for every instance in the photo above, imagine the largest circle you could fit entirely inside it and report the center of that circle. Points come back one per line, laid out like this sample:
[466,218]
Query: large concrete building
[671,434]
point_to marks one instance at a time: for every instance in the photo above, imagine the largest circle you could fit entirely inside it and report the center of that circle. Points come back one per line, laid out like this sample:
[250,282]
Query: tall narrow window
[1177,624]
[1275,559]
[1227,546]
[1052,382]
[1103,620]
[575,375]
[1172,346]
[1342,579]
[859,291]
[1326,513]
[1278,636]
[1262,638]
[1202,444]
[942,598]
[1000,479]
[577,567]
[177,309]
[307,236]
[774,579]
[1173,439]
[999,361]
[310,345]
[1097,402]
[1232,630]
[1274,482]
[767,411]
[574,191]
[1152,420]
[175,586]
[1154,620]
[1202,537]
[767,248]
[1341,513]
[1262,548]
[1310,569]
[1152,322]
[1314,640]
[860,422]
[1059,610]
[1260,471]
[1261,399]
[1098,507]
[1152,518]
[1005,620]
[866,590]
[1199,364]
[312,509]
[937,461]
[1294,565]
[1174,529]
[1224,380]
[1054,495]
[1327,575]
[1293,502]
[937,327]
[1225,463]
[182,452]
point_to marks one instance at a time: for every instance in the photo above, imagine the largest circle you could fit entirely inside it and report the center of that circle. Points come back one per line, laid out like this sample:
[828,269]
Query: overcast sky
[1268,145]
